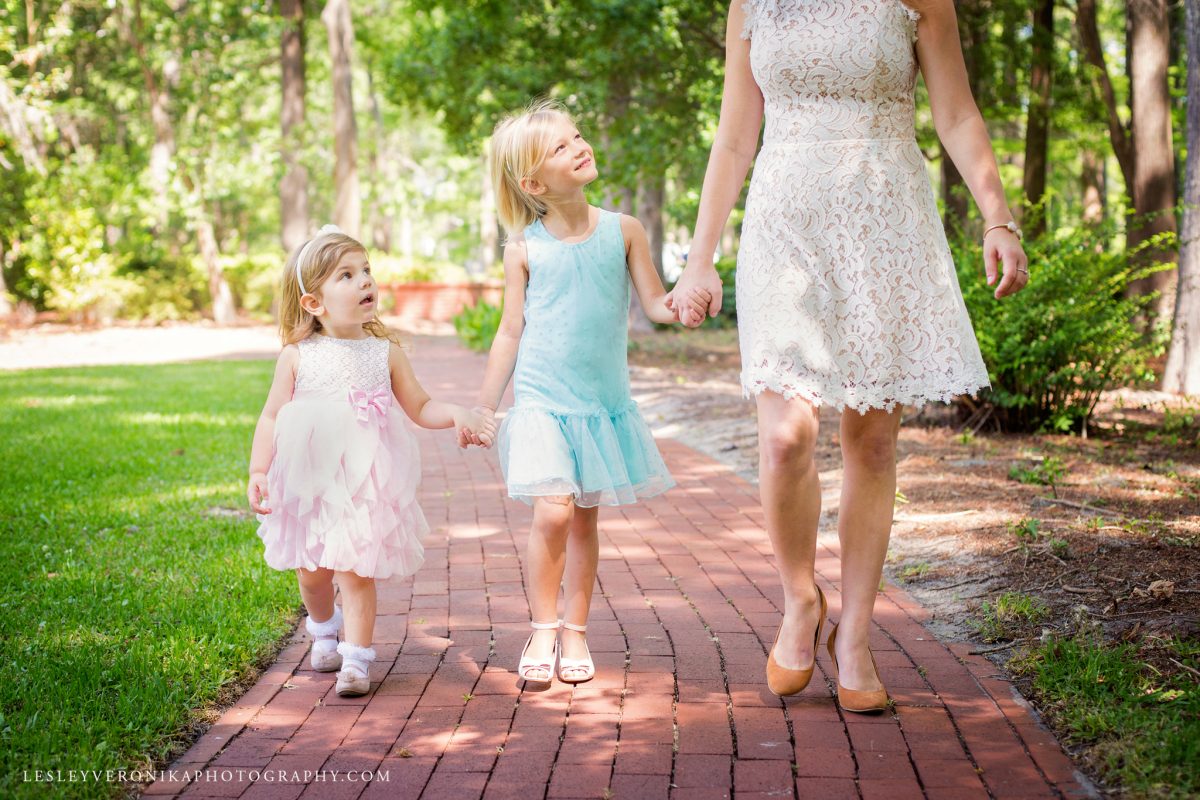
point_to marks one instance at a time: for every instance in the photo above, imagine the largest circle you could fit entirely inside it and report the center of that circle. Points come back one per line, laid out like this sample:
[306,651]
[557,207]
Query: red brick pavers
[686,606]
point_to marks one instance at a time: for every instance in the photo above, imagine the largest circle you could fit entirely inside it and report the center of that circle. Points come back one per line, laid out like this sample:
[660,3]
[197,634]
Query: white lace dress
[846,290]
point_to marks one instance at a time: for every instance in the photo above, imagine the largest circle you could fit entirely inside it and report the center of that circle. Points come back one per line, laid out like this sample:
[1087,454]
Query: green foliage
[1045,473]
[1141,721]
[254,279]
[1025,530]
[1071,334]
[1010,616]
[1179,426]
[477,325]
[133,592]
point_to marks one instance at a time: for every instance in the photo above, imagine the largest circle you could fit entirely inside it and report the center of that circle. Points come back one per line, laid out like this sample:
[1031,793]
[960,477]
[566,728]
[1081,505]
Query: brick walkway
[686,606]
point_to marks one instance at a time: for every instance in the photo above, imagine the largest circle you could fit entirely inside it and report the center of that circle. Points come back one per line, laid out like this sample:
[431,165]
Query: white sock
[358,657]
[325,633]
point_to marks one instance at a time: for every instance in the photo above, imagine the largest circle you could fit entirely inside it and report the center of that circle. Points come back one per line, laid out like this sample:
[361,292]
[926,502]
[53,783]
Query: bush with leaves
[1068,336]
[477,325]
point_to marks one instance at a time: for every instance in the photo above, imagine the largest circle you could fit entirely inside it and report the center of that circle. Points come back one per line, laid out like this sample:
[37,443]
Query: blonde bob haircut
[519,146]
[320,261]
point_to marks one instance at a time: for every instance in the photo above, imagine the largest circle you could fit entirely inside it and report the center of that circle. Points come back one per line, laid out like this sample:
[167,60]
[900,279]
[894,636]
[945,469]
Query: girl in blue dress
[574,439]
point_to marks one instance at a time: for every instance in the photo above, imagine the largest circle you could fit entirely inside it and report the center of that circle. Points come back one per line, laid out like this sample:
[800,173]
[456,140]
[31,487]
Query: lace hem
[860,399]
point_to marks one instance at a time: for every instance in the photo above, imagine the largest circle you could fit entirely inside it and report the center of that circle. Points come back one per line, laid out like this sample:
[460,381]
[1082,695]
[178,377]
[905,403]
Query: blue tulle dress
[574,429]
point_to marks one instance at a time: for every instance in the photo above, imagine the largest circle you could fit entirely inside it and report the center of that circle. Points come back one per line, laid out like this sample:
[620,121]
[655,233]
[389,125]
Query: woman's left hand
[1003,247]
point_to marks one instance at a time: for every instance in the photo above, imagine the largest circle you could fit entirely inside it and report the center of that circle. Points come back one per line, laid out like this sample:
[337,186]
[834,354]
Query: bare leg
[316,590]
[358,607]
[864,526]
[583,556]
[545,561]
[791,497]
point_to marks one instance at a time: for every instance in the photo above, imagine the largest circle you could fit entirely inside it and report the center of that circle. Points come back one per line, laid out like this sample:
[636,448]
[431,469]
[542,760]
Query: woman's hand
[1001,246]
[695,281]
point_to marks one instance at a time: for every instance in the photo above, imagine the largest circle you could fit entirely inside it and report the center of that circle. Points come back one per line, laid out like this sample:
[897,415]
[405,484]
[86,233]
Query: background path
[686,606]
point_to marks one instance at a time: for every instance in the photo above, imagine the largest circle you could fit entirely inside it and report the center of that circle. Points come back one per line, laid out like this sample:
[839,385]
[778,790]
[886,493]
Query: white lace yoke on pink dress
[343,480]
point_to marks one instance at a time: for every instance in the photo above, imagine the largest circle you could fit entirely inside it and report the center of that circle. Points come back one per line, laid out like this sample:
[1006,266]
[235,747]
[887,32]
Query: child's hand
[475,426]
[256,493]
[698,300]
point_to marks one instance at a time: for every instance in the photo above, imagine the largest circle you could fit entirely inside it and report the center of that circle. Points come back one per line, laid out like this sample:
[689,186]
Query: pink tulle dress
[342,483]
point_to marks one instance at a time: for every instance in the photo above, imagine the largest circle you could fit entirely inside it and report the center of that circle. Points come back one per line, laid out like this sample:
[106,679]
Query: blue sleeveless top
[574,428]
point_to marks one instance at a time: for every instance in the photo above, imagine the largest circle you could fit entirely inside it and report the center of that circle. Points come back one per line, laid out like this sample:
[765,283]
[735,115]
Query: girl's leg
[323,623]
[358,606]
[791,497]
[545,561]
[316,590]
[864,526]
[583,555]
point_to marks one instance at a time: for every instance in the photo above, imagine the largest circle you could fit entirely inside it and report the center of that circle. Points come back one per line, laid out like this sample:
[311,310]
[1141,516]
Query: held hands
[1002,246]
[476,426]
[698,292]
[256,493]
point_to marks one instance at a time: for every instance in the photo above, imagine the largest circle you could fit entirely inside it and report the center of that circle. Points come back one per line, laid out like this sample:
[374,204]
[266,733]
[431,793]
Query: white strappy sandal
[528,665]
[576,666]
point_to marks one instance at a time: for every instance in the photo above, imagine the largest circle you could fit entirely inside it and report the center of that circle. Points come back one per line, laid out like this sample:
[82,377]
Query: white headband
[325,229]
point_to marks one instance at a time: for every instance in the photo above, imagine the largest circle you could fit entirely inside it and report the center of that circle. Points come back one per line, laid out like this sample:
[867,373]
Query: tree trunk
[489,230]
[1182,373]
[1037,128]
[1093,186]
[158,91]
[223,309]
[347,207]
[293,190]
[1093,49]
[6,306]
[381,173]
[956,203]
[1153,186]
[650,211]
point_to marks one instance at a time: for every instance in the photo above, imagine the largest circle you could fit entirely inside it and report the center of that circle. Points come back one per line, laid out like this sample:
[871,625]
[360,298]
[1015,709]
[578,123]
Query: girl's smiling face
[569,164]
[349,295]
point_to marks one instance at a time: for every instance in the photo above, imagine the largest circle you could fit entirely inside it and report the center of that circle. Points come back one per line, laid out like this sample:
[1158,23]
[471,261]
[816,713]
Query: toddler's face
[569,163]
[349,294]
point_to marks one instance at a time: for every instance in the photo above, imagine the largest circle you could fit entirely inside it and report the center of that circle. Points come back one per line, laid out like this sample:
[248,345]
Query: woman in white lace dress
[846,290]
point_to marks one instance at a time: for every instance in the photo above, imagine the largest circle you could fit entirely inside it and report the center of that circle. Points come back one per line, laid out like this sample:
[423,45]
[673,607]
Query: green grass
[1142,723]
[133,593]
[1012,614]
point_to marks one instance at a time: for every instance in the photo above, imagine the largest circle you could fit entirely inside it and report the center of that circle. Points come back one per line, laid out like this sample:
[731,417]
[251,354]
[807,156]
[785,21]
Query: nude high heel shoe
[858,700]
[785,682]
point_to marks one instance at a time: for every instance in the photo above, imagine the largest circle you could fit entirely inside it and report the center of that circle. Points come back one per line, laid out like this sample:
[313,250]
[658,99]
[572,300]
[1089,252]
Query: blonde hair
[517,150]
[321,256]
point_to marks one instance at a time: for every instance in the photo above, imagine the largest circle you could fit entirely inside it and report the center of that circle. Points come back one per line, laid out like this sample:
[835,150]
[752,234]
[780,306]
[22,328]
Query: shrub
[477,325]
[1071,334]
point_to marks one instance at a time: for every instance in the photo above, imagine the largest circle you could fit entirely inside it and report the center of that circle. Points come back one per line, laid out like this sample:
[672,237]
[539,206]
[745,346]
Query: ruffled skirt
[601,458]
[342,492]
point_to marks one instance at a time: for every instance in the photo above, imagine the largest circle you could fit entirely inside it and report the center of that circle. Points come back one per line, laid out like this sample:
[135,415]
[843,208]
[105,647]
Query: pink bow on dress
[364,402]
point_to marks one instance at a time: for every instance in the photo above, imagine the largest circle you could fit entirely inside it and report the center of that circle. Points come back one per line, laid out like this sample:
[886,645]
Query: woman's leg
[864,526]
[583,556]
[316,590]
[358,607]
[791,497]
[545,560]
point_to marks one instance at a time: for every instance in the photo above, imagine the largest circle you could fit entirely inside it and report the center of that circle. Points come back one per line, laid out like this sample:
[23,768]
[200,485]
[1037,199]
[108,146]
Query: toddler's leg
[324,618]
[316,590]
[583,556]
[545,560]
[358,602]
